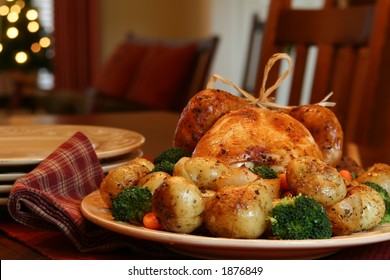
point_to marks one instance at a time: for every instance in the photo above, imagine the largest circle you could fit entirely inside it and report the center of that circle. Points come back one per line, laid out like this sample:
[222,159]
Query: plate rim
[102,154]
[5,188]
[175,239]
[10,176]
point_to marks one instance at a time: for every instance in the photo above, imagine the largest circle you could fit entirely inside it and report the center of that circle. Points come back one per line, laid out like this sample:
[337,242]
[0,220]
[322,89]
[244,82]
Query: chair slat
[301,51]
[323,73]
[337,26]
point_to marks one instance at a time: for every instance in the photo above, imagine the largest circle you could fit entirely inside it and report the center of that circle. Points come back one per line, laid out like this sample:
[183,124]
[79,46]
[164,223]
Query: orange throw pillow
[162,76]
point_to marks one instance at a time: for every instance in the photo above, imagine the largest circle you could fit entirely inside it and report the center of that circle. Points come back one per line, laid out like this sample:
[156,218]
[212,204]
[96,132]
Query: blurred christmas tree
[24,45]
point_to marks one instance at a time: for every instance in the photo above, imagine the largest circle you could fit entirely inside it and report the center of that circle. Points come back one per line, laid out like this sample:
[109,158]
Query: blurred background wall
[229,19]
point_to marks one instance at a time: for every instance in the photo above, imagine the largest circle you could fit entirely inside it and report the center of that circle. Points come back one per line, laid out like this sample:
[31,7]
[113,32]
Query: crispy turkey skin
[201,112]
[256,135]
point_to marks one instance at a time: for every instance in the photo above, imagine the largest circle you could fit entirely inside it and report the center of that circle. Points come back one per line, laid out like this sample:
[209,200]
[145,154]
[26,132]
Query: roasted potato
[238,212]
[208,173]
[345,216]
[373,206]
[207,195]
[379,173]
[236,176]
[313,177]
[123,177]
[271,185]
[203,171]
[178,205]
[153,180]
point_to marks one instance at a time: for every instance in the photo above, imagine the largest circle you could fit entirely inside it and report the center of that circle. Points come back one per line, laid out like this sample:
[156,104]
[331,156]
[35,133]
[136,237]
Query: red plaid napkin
[49,197]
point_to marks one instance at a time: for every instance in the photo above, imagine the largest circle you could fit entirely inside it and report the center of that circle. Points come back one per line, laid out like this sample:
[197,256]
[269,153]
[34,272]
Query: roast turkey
[259,136]
[207,106]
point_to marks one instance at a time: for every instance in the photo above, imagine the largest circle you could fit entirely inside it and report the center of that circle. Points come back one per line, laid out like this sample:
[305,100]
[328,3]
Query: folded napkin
[49,197]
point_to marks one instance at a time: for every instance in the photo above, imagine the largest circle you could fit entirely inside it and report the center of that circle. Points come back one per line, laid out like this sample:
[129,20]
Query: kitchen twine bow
[264,100]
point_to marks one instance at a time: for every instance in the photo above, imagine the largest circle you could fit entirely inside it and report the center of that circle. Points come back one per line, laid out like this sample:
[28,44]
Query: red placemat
[54,244]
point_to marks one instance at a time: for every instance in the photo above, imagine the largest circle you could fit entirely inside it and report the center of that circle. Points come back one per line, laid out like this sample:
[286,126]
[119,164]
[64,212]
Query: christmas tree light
[24,45]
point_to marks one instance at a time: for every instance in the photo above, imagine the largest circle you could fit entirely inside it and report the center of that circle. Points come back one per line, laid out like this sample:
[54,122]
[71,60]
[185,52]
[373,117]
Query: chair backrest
[255,37]
[205,54]
[351,45]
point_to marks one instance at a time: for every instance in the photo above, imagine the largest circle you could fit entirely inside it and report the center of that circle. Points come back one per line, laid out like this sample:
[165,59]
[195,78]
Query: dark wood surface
[158,129]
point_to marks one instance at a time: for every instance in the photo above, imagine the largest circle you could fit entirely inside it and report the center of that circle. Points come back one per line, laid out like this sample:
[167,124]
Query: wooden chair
[255,37]
[353,53]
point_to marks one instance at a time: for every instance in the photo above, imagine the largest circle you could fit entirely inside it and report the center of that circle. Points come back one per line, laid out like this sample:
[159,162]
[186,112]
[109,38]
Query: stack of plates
[22,148]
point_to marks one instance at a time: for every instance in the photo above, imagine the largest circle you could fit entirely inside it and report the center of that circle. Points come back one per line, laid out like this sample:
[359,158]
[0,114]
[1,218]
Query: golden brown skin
[373,206]
[201,112]
[178,204]
[208,173]
[259,136]
[123,177]
[325,128]
[202,171]
[313,177]
[345,215]
[378,173]
[239,212]
[153,180]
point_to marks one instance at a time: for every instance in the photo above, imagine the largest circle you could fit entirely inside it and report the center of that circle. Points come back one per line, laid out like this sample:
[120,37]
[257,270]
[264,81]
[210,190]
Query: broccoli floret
[164,166]
[300,217]
[264,171]
[131,204]
[385,196]
[171,155]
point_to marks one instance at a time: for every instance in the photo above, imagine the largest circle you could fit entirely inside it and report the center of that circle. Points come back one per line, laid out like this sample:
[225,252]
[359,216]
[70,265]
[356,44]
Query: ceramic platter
[10,176]
[4,189]
[27,145]
[94,209]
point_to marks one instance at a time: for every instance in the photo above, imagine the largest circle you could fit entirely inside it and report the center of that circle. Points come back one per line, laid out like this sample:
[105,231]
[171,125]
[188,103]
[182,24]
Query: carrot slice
[150,221]
[283,182]
[346,175]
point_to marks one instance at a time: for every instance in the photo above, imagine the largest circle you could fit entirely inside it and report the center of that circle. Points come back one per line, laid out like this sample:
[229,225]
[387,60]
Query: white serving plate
[94,209]
[5,188]
[11,176]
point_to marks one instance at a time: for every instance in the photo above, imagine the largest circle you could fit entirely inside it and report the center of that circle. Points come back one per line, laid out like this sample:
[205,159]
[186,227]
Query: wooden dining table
[158,127]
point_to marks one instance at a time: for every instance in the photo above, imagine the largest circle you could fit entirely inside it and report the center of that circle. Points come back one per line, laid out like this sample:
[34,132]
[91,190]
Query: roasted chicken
[208,106]
[259,136]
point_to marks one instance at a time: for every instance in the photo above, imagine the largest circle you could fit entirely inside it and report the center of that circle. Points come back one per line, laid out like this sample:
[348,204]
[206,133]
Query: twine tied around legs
[264,99]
